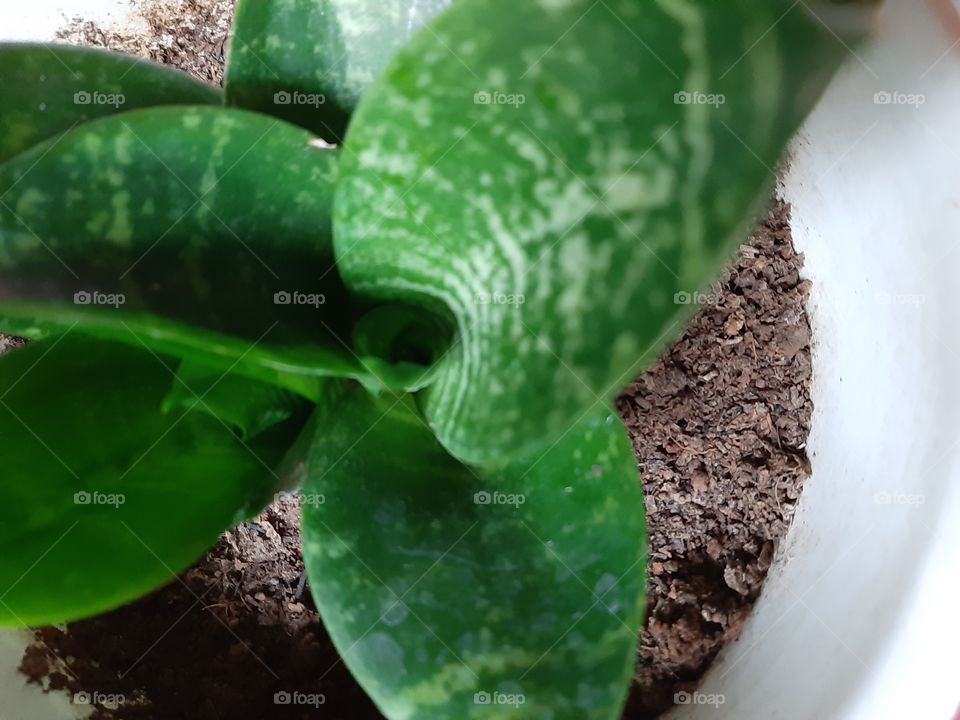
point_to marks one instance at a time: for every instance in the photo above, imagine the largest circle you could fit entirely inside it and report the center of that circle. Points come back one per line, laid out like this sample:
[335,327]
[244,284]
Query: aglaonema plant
[402,264]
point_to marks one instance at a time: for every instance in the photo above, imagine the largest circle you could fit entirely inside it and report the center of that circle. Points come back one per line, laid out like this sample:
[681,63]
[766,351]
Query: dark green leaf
[443,585]
[309,61]
[50,88]
[300,368]
[104,495]
[250,407]
[561,176]
[398,334]
[200,232]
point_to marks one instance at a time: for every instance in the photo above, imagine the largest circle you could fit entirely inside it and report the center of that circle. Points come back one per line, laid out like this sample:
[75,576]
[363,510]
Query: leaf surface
[562,177]
[51,88]
[105,496]
[200,232]
[249,407]
[309,61]
[444,586]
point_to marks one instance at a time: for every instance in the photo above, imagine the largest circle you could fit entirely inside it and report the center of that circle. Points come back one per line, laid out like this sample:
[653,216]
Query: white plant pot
[857,620]
[39,20]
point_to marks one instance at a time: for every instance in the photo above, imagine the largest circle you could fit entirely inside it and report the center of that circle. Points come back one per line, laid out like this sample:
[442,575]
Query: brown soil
[219,642]
[719,425]
[188,34]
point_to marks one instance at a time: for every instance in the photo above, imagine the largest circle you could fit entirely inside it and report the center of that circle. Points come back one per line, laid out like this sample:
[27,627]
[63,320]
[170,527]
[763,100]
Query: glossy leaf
[105,497]
[300,368]
[402,334]
[560,177]
[51,88]
[200,232]
[445,587]
[249,407]
[309,61]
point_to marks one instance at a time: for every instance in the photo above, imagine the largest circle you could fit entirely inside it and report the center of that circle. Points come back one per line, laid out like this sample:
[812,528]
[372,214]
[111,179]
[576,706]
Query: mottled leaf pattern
[166,208]
[456,592]
[200,232]
[309,61]
[558,176]
[527,196]
[49,88]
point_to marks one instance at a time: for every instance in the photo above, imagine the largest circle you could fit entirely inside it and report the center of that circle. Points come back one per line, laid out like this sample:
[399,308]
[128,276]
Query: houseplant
[498,212]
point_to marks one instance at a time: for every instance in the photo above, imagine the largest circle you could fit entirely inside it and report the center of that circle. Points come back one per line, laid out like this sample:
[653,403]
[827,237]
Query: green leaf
[210,216]
[51,88]
[309,61]
[249,407]
[440,583]
[401,334]
[106,497]
[200,232]
[300,368]
[556,175]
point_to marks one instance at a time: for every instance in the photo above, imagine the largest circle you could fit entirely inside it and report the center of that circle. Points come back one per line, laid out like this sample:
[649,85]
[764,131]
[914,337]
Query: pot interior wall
[39,20]
[858,616]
